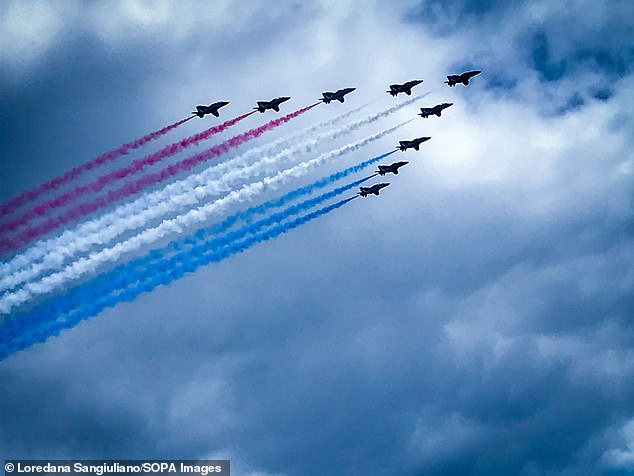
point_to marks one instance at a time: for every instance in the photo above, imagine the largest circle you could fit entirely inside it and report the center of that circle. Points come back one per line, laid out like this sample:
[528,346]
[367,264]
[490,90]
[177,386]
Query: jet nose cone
[425,139]
[285,98]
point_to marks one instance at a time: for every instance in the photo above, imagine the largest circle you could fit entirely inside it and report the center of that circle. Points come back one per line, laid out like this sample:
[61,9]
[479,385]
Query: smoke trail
[9,280]
[131,188]
[154,204]
[125,274]
[30,195]
[246,215]
[176,225]
[134,167]
[20,332]
[43,249]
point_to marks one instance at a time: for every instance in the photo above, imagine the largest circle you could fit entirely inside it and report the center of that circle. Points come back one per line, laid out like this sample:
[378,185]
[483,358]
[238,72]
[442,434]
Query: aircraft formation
[395,89]
[95,221]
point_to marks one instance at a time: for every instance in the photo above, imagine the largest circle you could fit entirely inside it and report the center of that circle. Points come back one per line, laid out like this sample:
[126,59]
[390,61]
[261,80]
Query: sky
[476,318]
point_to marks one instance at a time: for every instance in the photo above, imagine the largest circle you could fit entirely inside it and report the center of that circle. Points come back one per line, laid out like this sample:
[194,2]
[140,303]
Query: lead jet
[211,109]
[409,144]
[272,104]
[463,78]
[392,168]
[374,189]
[404,88]
[428,111]
[337,95]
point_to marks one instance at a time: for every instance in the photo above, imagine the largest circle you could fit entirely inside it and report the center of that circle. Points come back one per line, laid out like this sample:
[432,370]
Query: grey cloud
[473,320]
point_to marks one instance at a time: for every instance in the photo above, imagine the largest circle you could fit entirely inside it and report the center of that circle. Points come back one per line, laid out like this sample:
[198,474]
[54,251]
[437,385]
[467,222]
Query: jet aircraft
[404,88]
[463,78]
[337,95]
[415,143]
[374,189]
[392,168]
[211,109]
[272,104]
[428,111]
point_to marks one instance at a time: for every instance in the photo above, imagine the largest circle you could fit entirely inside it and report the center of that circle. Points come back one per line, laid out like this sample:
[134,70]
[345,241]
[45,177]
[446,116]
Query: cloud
[475,319]
[28,29]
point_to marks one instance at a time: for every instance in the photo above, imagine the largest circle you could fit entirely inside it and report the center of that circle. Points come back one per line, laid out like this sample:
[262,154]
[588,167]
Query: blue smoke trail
[249,213]
[36,326]
[121,276]
[245,215]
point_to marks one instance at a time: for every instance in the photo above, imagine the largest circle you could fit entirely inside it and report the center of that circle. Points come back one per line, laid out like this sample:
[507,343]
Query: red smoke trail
[29,195]
[131,188]
[101,182]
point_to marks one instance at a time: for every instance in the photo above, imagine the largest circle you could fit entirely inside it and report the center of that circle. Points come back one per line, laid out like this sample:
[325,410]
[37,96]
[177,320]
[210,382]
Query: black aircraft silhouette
[272,104]
[337,95]
[392,168]
[374,189]
[404,88]
[211,109]
[415,143]
[428,111]
[463,78]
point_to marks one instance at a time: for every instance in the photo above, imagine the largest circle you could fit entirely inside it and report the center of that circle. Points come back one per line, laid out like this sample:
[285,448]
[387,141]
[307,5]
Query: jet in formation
[404,88]
[392,168]
[337,95]
[272,104]
[428,111]
[412,144]
[463,78]
[374,189]
[211,109]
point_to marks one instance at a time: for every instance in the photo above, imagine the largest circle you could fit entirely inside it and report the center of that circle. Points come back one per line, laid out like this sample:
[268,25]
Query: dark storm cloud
[73,92]
[473,320]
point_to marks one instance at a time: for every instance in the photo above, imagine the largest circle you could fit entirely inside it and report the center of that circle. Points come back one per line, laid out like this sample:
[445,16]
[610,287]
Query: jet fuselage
[211,109]
[272,104]
[404,88]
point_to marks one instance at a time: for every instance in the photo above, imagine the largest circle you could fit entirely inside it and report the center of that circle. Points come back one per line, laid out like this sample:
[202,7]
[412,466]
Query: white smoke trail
[42,248]
[175,196]
[177,224]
